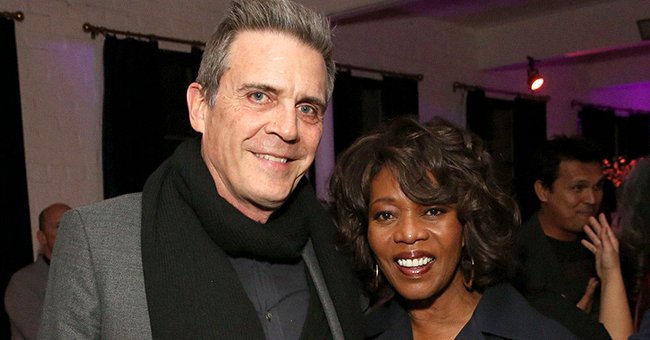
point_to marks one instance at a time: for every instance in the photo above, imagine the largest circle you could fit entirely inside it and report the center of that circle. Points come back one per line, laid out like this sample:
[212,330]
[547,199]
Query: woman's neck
[445,315]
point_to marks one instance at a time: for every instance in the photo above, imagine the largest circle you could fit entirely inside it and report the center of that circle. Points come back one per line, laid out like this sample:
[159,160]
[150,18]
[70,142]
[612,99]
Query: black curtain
[145,115]
[360,104]
[627,136]
[513,130]
[529,133]
[492,120]
[599,126]
[131,119]
[177,70]
[353,97]
[399,97]
[634,135]
[15,234]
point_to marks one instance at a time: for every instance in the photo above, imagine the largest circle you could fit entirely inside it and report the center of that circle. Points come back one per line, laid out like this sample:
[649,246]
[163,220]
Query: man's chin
[578,228]
[272,202]
[272,197]
[584,218]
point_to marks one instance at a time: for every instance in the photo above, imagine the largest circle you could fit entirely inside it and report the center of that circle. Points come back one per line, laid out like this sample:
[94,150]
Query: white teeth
[271,158]
[410,263]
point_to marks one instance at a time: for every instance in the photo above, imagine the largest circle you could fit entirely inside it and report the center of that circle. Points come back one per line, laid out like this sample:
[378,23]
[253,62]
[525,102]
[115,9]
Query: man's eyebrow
[257,86]
[313,100]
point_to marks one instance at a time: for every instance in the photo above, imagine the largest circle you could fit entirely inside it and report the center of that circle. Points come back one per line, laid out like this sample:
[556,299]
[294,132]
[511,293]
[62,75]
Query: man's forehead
[275,68]
[576,170]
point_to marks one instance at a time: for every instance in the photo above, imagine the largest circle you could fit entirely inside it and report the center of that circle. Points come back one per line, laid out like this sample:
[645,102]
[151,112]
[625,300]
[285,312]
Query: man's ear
[197,106]
[541,191]
[40,236]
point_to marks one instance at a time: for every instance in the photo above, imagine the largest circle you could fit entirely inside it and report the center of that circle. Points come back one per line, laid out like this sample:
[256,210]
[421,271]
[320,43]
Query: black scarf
[188,232]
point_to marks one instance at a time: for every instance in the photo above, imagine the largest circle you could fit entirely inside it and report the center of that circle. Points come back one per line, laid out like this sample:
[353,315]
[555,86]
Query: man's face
[261,136]
[47,234]
[573,197]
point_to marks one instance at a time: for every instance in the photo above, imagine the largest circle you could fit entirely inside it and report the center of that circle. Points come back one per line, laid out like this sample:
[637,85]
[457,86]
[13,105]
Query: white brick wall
[61,84]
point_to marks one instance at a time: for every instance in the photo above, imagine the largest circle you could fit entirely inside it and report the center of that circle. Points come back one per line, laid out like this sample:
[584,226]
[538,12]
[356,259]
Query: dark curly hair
[463,168]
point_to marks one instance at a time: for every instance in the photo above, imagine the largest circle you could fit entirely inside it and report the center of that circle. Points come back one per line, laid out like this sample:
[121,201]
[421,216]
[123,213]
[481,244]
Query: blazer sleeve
[71,306]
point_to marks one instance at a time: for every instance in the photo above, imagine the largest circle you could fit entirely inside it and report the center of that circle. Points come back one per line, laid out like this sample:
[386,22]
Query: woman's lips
[414,264]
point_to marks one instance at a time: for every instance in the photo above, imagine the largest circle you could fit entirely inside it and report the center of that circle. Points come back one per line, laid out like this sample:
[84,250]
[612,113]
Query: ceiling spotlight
[535,80]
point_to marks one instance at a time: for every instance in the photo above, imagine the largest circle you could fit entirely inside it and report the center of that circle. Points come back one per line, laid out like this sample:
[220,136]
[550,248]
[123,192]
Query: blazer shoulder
[110,223]
[125,209]
[127,202]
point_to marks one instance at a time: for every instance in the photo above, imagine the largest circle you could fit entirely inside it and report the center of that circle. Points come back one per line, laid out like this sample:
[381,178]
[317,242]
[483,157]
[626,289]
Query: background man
[26,289]
[557,272]
[227,240]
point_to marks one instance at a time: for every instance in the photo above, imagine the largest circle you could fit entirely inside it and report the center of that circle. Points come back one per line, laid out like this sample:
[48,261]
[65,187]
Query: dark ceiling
[470,13]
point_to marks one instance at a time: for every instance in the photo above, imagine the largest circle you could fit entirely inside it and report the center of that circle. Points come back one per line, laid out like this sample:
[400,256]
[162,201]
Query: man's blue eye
[305,109]
[258,96]
[309,114]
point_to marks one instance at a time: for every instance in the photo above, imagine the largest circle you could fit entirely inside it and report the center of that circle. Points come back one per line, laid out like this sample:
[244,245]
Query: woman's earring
[468,283]
[376,271]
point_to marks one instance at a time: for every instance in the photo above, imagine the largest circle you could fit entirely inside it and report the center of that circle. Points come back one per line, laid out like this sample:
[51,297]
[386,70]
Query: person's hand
[604,245]
[587,300]
[614,308]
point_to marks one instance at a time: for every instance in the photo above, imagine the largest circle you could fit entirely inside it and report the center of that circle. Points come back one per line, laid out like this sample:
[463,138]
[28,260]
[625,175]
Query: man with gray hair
[227,239]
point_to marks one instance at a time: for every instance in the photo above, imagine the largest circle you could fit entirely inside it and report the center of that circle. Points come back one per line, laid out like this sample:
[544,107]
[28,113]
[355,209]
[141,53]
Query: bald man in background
[26,289]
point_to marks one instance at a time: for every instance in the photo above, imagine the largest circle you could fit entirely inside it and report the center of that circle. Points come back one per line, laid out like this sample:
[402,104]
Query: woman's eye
[435,211]
[383,216]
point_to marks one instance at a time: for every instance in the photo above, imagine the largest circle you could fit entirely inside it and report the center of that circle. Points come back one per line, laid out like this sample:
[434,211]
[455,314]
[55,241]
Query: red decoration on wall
[617,169]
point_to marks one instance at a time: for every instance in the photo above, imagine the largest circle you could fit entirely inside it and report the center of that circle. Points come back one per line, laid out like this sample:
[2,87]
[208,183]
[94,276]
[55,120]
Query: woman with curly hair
[431,235]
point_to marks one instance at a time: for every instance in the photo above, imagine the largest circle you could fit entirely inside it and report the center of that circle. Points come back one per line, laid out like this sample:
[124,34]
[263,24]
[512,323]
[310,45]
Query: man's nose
[283,122]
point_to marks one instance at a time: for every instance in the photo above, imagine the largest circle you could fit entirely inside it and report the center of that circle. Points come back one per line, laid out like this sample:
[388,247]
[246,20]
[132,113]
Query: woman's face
[417,247]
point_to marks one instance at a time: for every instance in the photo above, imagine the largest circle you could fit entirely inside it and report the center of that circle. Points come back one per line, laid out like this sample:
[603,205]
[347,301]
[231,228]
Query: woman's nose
[408,231]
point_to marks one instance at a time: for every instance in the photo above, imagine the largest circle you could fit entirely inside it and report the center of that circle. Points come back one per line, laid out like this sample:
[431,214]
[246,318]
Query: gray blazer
[96,285]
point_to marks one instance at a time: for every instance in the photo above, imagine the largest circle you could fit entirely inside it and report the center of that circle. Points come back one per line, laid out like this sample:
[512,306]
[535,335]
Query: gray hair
[282,16]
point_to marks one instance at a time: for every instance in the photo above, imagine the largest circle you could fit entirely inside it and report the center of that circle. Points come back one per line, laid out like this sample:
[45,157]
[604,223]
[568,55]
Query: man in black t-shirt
[557,273]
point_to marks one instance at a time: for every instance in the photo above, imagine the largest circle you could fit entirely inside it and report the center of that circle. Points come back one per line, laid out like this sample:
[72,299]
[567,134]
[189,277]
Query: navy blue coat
[502,313]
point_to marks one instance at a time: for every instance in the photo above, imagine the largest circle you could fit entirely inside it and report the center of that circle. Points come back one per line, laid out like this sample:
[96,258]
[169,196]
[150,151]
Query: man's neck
[552,230]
